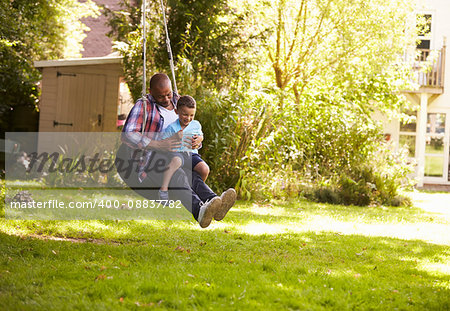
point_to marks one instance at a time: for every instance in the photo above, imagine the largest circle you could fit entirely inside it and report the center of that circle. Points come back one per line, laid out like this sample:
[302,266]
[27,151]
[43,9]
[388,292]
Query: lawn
[293,255]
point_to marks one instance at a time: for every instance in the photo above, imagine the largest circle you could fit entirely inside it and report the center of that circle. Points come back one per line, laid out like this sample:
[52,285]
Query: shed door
[80,102]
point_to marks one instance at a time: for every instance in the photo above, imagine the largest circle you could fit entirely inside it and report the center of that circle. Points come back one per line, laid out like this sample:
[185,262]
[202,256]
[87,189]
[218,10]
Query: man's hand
[169,144]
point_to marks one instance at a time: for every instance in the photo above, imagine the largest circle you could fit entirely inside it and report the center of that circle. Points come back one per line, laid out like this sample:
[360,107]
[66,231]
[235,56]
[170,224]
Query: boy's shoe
[228,199]
[163,197]
[208,210]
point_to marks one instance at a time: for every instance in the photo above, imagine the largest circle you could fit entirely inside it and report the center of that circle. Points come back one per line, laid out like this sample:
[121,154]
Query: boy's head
[186,107]
[161,89]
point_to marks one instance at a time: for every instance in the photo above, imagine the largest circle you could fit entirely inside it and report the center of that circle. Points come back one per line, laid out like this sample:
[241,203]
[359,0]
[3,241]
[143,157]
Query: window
[407,138]
[423,24]
[434,148]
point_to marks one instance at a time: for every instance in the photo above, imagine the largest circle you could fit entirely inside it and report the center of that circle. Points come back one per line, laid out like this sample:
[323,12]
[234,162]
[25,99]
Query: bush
[85,178]
[268,152]
[376,181]
[266,145]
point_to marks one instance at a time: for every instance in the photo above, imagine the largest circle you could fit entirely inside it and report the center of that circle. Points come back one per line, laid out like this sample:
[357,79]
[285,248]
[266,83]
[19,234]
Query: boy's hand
[196,141]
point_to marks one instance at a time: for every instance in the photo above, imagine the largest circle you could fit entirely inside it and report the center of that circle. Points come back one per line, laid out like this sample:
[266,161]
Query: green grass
[285,255]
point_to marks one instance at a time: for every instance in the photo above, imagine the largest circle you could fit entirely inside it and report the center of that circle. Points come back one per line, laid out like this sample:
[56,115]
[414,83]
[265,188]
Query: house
[97,43]
[427,135]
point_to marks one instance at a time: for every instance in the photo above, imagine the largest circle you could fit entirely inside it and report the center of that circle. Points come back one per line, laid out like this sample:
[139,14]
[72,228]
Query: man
[186,186]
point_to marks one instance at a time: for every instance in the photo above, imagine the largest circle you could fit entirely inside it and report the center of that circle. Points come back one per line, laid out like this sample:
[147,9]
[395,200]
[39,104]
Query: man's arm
[132,129]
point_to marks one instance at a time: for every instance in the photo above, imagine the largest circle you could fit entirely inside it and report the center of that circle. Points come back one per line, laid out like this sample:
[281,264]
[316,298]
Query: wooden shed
[79,95]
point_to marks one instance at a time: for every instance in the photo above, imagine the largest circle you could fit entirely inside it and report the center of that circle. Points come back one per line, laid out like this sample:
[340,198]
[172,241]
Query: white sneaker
[228,199]
[207,210]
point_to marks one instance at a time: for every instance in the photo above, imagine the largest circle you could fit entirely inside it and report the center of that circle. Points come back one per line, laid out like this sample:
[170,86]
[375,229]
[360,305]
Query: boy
[187,128]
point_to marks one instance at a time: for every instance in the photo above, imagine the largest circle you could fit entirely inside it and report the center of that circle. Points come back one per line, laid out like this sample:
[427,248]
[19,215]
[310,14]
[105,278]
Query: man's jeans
[186,185]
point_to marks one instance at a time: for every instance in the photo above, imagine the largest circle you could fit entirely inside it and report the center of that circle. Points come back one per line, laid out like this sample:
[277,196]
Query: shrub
[266,145]
[70,177]
[378,180]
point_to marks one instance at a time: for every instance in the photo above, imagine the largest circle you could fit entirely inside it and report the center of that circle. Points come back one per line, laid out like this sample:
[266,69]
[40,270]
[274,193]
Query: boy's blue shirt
[193,128]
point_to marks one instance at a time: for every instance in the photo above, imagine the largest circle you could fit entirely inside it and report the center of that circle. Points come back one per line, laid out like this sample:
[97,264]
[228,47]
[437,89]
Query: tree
[213,37]
[325,43]
[209,34]
[333,63]
[35,30]
[323,66]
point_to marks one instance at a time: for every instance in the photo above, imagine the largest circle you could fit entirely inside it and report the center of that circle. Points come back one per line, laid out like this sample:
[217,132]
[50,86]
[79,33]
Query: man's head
[161,89]
[186,107]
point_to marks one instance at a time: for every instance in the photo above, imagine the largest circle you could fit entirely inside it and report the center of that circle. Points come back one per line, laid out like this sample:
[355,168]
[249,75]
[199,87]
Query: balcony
[429,70]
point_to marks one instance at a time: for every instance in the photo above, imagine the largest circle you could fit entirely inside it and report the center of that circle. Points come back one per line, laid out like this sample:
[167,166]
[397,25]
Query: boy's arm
[197,138]
[171,132]
[168,131]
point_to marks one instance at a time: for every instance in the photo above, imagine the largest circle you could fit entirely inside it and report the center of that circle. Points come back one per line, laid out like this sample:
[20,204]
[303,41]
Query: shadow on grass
[172,266]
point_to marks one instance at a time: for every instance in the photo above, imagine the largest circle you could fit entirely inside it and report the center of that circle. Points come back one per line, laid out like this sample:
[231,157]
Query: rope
[169,48]
[144,57]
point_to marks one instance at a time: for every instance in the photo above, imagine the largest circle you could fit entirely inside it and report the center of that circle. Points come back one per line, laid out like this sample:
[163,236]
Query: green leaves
[35,30]
[285,89]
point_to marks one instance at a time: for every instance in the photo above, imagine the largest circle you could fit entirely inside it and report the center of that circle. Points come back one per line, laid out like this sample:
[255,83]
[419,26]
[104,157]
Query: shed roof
[79,61]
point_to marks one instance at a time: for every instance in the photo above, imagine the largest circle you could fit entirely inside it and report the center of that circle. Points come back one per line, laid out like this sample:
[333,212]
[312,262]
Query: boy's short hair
[186,101]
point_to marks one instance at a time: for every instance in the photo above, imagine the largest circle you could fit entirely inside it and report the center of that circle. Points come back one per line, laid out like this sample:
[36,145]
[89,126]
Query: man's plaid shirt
[132,130]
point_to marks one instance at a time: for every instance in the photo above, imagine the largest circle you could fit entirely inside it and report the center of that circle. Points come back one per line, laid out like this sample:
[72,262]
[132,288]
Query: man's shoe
[228,199]
[208,210]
